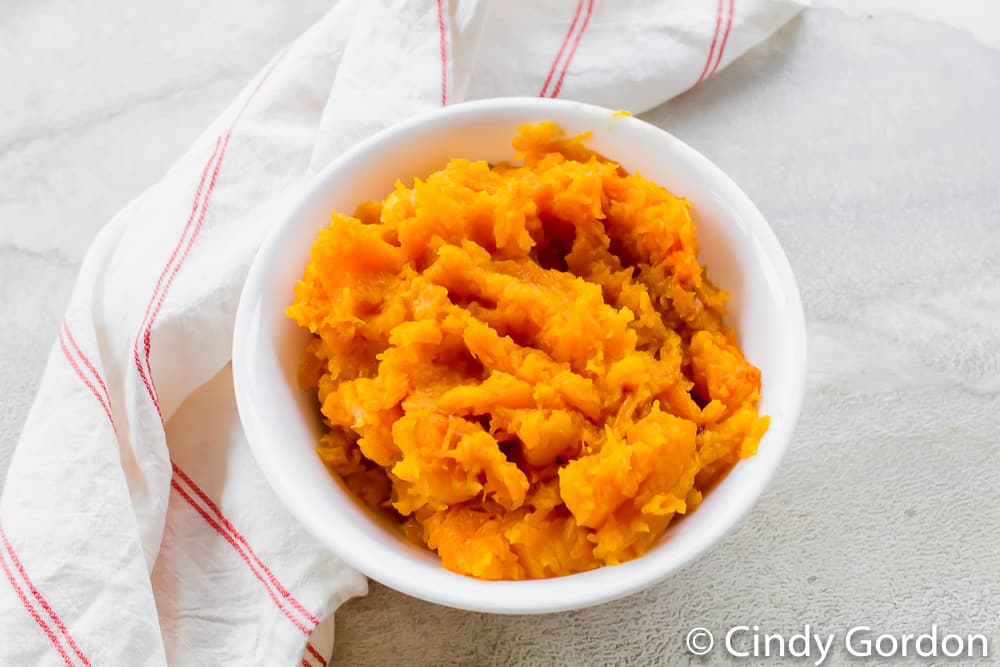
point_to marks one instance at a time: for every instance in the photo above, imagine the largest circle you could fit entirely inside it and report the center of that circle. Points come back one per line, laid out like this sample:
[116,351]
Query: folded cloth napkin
[135,527]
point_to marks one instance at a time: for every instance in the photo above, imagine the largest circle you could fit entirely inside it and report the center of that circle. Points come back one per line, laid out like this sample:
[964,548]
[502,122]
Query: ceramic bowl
[282,420]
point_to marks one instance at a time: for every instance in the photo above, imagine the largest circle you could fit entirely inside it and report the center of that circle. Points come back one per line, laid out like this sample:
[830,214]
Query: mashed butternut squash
[525,364]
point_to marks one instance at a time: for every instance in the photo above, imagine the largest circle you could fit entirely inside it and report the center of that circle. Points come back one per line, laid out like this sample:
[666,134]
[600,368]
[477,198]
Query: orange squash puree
[525,365]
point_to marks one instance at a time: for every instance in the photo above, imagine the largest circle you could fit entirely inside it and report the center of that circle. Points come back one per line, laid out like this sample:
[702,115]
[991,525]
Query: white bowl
[282,421]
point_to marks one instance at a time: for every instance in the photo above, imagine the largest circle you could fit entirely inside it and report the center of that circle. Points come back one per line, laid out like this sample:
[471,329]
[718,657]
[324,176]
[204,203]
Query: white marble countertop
[869,141]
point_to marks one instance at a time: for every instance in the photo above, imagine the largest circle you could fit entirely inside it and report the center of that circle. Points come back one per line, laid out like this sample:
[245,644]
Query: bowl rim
[537,595]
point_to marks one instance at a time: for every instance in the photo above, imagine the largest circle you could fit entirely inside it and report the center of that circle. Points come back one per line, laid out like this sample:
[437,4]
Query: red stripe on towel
[711,49]
[147,331]
[158,295]
[316,654]
[242,540]
[444,53]
[576,43]
[562,47]
[30,608]
[83,377]
[144,371]
[725,35]
[86,362]
[41,599]
[229,538]
[170,270]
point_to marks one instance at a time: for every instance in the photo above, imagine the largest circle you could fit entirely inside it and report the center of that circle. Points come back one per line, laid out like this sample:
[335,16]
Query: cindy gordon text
[815,646]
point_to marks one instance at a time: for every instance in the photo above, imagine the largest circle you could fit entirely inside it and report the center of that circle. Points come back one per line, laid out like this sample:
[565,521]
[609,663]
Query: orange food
[525,365]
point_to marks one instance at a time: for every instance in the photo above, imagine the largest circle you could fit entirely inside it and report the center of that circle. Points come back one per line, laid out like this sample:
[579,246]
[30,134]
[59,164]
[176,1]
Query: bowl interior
[281,420]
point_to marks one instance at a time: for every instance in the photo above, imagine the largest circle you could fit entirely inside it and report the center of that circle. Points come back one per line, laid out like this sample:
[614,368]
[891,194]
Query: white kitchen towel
[135,527]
